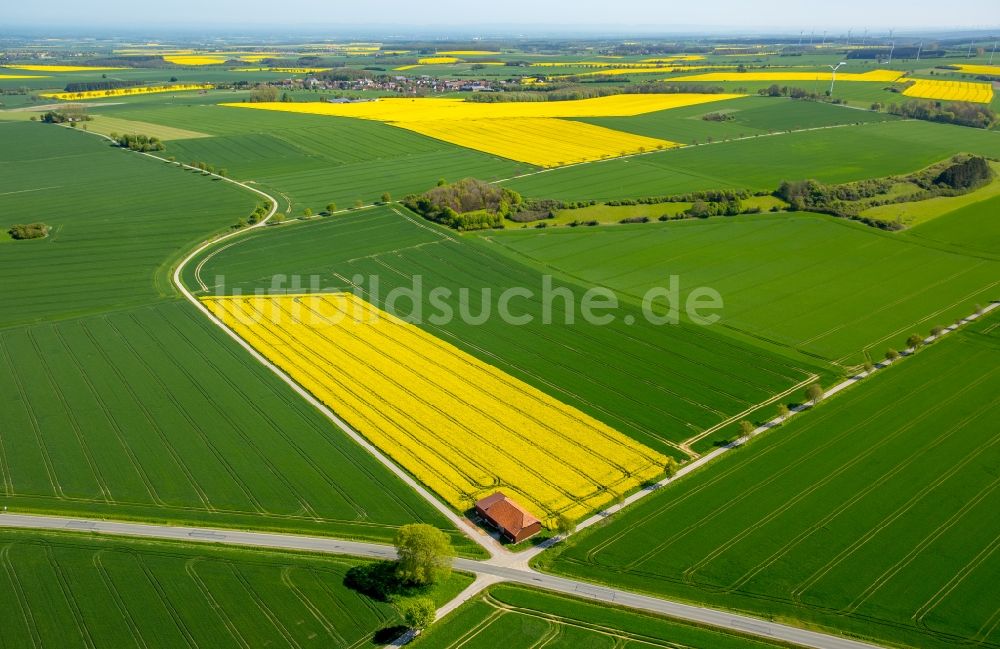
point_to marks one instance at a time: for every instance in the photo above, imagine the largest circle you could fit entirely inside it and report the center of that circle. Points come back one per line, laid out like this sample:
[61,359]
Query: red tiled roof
[506,513]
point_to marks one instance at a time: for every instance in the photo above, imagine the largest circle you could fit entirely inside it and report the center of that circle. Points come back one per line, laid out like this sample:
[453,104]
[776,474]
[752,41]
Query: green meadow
[833,155]
[827,287]
[74,590]
[871,516]
[520,617]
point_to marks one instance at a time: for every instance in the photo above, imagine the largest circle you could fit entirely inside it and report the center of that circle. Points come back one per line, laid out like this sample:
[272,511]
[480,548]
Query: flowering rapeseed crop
[541,141]
[990,70]
[461,426]
[882,76]
[122,92]
[194,59]
[981,93]
[435,60]
[526,131]
[408,110]
[59,68]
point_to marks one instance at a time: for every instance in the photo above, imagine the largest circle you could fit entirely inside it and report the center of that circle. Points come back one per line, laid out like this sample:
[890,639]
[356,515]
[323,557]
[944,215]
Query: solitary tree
[891,354]
[869,367]
[424,554]
[565,525]
[782,410]
[307,212]
[671,467]
[386,197]
[359,203]
[418,613]
[223,172]
[915,341]
[814,393]
[277,219]
[746,429]
[937,331]
[331,207]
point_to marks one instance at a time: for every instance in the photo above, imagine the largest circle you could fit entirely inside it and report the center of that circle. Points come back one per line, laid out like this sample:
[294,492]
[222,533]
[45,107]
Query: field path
[487,573]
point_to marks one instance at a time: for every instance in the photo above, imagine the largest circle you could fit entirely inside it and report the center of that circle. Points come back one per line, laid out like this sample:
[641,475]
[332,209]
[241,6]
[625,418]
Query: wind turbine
[920,49]
[834,79]
[891,50]
[993,52]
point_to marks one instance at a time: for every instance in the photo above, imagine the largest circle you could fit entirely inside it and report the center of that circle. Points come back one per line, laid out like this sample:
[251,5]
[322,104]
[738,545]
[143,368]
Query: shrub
[28,231]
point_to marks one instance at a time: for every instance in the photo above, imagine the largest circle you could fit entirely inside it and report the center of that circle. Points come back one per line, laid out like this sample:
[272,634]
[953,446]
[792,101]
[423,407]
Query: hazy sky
[756,16]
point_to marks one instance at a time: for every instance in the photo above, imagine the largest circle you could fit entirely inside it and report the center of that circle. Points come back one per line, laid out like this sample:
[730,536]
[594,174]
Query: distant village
[406,85]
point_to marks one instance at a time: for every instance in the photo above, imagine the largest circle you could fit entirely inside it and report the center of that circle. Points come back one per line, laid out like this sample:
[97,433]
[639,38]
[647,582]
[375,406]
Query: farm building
[513,522]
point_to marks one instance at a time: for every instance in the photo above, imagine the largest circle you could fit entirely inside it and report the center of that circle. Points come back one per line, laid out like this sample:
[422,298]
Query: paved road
[498,569]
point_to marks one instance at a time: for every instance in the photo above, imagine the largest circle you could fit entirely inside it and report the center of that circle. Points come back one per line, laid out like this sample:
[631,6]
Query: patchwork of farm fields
[154,413]
[800,280]
[658,384]
[833,155]
[126,403]
[314,160]
[526,131]
[873,515]
[68,590]
[751,116]
[464,428]
[520,618]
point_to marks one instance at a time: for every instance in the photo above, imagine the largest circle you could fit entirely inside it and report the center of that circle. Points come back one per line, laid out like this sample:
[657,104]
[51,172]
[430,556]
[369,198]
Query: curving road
[495,570]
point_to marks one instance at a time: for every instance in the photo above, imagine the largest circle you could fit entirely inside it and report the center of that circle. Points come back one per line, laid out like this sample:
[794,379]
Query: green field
[110,245]
[972,227]
[311,160]
[659,384]
[516,617]
[801,280]
[833,155]
[872,515]
[752,116]
[126,402]
[917,212]
[69,590]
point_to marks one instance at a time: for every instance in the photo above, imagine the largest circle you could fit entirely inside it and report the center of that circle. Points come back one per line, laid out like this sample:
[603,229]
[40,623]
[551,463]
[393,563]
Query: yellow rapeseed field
[673,59]
[541,141]
[530,132]
[122,92]
[981,93]
[406,67]
[991,70]
[23,76]
[436,60]
[461,426]
[409,110]
[194,59]
[882,76]
[59,68]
